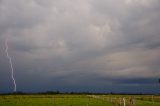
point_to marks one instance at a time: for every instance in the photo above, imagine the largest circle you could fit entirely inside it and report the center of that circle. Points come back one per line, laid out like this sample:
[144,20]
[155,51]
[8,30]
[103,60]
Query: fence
[129,100]
[118,101]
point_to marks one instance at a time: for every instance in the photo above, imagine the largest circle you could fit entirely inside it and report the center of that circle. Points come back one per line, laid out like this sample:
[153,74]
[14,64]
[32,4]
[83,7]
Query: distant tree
[52,92]
[18,93]
[111,93]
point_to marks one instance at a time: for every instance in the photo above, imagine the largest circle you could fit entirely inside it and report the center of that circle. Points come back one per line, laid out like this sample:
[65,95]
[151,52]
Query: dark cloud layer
[81,45]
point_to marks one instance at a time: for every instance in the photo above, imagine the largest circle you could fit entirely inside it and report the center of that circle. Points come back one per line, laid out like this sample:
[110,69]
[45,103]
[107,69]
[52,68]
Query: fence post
[120,102]
[152,100]
[108,99]
[116,101]
[131,101]
[134,101]
[124,102]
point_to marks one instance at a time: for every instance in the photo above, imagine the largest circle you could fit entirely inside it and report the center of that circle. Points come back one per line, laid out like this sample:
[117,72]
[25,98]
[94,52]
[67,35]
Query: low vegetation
[77,100]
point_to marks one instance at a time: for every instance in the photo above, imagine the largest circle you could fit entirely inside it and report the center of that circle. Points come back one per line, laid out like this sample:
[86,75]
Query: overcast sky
[81,45]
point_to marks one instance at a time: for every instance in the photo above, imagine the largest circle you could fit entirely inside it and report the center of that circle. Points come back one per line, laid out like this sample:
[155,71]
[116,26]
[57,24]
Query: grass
[72,100]
[48,100]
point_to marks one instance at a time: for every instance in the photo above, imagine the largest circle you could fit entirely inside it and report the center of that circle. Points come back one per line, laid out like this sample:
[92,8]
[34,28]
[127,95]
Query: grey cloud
[81,42]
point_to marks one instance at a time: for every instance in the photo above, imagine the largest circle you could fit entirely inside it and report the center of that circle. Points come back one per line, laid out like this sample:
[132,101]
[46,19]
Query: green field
[75,100]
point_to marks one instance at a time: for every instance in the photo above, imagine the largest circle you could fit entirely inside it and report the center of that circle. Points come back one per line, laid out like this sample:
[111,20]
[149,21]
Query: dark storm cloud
[76,43]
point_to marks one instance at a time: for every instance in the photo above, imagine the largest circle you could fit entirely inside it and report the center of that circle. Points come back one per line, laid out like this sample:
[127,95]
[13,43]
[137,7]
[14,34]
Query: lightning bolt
[11,65]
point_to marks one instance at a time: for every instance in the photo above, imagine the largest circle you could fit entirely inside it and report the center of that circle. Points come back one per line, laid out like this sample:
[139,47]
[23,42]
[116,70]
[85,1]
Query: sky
[81,45]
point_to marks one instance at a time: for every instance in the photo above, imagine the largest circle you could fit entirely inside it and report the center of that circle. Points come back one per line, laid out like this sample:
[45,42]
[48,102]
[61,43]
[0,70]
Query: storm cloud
[84,45]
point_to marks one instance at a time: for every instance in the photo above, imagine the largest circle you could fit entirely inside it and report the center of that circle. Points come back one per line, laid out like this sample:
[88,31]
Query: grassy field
[75,100]
[48,100]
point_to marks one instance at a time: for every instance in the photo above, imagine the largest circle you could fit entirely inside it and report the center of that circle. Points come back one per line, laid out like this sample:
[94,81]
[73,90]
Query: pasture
[78,100]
